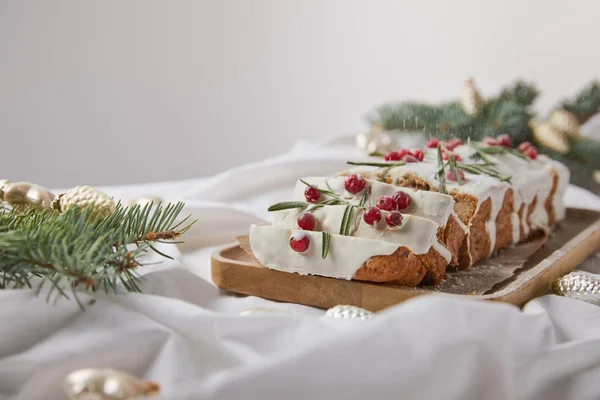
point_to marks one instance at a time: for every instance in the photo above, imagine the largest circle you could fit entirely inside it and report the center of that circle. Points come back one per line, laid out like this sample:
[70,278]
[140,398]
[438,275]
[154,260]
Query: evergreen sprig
[586,104]
[66,252]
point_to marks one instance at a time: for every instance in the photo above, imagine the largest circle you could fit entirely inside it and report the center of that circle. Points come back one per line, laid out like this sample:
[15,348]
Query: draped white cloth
[186,334]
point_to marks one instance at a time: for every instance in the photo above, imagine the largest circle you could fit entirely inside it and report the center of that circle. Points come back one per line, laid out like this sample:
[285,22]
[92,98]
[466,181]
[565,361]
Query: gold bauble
[565,121]
[107,384]
[22,195]
[375,141]
[548,136]
[86,198]
[470,99]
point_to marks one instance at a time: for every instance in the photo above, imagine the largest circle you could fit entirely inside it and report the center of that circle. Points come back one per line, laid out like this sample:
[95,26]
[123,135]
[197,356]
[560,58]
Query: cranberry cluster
[398,201]
[405,155]
[447,147]
[502,140]
[528,149]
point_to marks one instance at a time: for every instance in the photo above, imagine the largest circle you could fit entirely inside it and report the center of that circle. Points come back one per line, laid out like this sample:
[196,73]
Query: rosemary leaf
[286,205]
[384,174]
[376,154]
[322,191]
[517,153]
[325,244]
[376,164]
[441,172]
[363,199]
[350,221]
[347,221]
[328,202]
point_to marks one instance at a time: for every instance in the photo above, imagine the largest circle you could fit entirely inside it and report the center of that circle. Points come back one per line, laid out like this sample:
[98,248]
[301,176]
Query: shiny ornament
[348,312]
[107,384]
[548,136]
[470,99]
[375,141]
[579,285]
[86,198]
[565,122]
[3,184]
[22,195]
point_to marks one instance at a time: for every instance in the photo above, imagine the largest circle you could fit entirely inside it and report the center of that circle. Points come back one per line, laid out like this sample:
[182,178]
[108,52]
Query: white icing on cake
[270,245]
[417,234]
[436,207]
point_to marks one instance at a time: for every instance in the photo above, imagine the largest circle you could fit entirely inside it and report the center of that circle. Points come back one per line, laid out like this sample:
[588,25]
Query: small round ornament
[348,312]
[548,136]
[86,198]
[375,141]
[21,195]
[107,384]
[565,121]
[579,285]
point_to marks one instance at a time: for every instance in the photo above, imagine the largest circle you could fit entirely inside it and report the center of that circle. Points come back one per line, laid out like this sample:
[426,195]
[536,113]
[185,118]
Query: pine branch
[67,251]
[586,104]
[520,92]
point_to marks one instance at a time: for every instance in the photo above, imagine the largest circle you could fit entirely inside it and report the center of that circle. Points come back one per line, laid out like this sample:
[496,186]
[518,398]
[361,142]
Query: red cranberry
[401,200]
[311,194]
[524,146]
[445,156]
[372,215]
[417,153]
[451,175]
[504,140]
[490,141]
[409,159]
[392,156]
[354,183]
[531,152]
[452,143]
[393,219]
[402,152]
[306,221]
[432,143]
[385,203]
[299,241]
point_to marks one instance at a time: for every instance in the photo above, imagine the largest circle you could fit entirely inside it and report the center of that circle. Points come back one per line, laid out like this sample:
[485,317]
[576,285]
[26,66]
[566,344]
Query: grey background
[110,92]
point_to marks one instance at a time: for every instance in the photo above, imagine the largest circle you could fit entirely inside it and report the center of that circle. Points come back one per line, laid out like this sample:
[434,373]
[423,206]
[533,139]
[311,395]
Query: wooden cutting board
[515,275]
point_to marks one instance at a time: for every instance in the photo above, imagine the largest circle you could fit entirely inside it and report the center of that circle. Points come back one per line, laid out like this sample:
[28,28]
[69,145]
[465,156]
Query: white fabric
[186,334]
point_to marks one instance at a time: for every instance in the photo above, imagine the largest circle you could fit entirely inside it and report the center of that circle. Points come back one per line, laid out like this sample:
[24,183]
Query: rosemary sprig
[363,199]
[441,171]
[499,150]
[325,244]
[286,205]
[454,167]
[322,191]
[328,202]
[477,169]
[347,220]
[376,164]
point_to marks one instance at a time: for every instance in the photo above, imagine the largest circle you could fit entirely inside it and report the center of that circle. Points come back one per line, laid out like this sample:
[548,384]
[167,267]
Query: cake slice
[380,251]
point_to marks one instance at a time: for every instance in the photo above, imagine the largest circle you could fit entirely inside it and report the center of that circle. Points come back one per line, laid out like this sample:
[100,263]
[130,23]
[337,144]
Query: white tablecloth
[187,335]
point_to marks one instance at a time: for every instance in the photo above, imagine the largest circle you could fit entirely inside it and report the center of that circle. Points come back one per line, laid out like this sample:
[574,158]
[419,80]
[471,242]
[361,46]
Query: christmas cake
[406,218]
